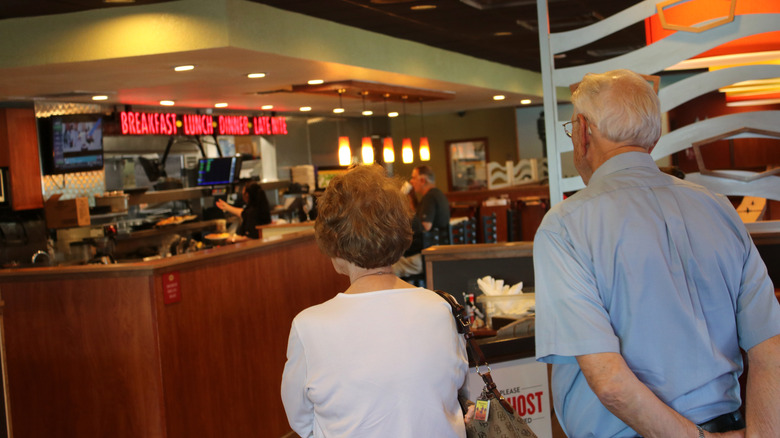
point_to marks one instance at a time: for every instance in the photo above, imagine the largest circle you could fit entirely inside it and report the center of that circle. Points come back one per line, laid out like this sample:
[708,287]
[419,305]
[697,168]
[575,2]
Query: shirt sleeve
[571,319]
[758,312]
[299,409]
[427,209]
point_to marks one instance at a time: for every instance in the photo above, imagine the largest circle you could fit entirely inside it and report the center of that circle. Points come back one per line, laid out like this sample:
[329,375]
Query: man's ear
[584,121]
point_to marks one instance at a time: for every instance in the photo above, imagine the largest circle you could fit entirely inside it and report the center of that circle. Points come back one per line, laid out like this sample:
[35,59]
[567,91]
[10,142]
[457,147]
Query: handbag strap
[464,327]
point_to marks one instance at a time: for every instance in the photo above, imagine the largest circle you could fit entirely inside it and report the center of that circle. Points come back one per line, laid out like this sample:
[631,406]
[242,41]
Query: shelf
[162,196]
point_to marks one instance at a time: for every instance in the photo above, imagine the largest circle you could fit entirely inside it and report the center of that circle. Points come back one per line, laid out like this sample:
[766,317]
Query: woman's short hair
[364,218]
[622,104]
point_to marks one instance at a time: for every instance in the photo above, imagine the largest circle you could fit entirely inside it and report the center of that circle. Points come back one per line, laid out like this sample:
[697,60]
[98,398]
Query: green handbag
[502,421]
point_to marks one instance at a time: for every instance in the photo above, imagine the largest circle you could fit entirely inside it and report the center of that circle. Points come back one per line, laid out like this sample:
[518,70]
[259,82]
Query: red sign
[147,123]
[134,123]
[233,125]
[196,124]
[171,288]
[270,125]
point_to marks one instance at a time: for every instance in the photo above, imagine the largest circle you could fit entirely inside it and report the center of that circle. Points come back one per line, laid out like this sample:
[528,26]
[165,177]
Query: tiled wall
[74,185]
[71,185]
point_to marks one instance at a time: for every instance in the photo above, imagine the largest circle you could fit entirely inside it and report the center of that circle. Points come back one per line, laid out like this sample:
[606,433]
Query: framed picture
[467,164]
[327,173]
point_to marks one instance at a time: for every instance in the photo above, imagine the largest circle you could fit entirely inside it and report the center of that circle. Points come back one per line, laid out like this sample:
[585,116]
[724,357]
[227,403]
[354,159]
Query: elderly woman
[383,358]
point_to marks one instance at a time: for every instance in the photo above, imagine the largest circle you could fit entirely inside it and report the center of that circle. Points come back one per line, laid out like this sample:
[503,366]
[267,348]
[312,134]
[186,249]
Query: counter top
[202,257]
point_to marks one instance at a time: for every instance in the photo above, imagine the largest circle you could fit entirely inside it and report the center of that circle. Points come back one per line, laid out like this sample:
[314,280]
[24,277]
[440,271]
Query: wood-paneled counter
[94,351]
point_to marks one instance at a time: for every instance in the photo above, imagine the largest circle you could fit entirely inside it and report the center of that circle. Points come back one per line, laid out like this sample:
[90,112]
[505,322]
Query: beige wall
[496,125]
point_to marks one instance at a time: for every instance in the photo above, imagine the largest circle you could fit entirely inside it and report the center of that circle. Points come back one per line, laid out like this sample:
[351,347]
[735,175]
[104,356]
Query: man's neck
[613,151]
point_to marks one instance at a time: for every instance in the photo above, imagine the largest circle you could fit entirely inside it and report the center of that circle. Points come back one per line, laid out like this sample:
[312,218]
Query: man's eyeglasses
[567,127]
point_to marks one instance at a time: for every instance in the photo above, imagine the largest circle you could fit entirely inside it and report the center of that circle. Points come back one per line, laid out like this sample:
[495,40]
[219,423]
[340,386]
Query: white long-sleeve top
[379,364]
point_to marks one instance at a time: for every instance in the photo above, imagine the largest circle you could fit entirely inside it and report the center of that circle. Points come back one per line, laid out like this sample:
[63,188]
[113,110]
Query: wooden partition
[99,351]
[455,268]
[528,204]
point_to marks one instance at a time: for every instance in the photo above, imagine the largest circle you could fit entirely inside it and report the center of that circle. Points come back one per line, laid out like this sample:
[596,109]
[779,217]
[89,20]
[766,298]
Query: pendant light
[345,153]
[388,152]
[367,150]
[407,154]
[340,108]
[425,150]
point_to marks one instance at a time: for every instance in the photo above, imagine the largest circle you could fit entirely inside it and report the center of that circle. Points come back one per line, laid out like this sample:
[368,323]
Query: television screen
[72,143]
[217,171]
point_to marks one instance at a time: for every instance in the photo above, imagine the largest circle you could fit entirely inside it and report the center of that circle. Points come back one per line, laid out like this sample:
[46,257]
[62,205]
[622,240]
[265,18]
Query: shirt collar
[623,161]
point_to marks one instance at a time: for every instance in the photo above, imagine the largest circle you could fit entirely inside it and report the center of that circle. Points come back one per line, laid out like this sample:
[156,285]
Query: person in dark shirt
[432,211]
[256,210]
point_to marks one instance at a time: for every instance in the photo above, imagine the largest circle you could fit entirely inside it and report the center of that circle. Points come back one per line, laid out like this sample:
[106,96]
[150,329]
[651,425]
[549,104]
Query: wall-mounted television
[71,143]
[218,171]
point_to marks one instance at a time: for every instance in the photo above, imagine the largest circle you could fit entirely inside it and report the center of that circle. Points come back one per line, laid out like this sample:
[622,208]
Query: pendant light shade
[345,154]
[425,150]
[407,154]
[367,151]
[388,152]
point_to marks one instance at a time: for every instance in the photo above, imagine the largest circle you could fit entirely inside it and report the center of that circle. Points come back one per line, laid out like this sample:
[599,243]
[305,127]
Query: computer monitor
[217,171]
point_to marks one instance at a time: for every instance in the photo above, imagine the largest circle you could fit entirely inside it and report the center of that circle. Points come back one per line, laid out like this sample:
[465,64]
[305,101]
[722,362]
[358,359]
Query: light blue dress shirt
[659,270]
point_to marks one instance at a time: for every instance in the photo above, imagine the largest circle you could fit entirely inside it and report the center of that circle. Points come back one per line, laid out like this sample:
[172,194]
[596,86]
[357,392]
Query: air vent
[72,95]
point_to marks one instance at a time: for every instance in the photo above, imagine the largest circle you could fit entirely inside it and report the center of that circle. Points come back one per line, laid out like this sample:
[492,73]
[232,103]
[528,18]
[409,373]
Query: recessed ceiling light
[392,114]
[167,103]
[525,101]
[221,105]
[316,82]
[305,108]
[267,107]
[502,33]
[368,112]
[422,7]
[338,110]
[255,75]
[184,68]
[101,97]
[499,97]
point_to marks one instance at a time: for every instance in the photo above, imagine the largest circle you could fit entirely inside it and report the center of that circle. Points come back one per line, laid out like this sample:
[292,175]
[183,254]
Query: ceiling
[501,31]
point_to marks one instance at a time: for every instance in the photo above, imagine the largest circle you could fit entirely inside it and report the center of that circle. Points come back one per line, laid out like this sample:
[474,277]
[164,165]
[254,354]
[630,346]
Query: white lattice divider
[650,60]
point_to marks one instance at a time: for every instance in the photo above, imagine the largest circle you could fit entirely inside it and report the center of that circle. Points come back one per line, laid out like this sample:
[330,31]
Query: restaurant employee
[255,212]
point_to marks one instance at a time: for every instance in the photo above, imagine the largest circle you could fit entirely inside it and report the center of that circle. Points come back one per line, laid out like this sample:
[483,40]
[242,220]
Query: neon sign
[269,126]
[195,124]
[233,125]
[136,123]
[148,123]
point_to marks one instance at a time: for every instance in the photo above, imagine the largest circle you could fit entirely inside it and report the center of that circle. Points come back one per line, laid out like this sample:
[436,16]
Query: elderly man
[433,211]
[648,286]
